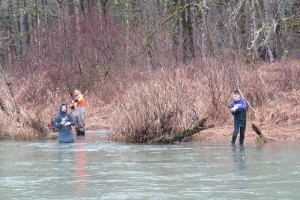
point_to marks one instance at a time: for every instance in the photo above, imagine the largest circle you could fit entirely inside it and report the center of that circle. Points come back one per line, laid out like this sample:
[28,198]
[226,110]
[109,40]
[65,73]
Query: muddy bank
[274,133]
[220,134]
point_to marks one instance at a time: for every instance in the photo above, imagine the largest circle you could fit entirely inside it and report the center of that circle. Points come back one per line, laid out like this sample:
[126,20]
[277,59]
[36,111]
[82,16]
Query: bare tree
[187,32]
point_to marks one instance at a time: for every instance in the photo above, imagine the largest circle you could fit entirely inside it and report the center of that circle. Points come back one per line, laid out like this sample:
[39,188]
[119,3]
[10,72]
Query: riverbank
[274,129]
[271,89]
[222,134]
[273,133]
[135,102]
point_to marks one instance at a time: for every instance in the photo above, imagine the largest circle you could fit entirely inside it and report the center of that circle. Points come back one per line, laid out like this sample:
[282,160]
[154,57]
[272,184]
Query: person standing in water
[63,122]
[78,112]
[238,109]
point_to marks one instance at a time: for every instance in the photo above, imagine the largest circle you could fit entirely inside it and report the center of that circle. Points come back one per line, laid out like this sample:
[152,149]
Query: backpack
[51,125]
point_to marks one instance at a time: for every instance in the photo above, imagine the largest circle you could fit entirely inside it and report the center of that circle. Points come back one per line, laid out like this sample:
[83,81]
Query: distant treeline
[146,30]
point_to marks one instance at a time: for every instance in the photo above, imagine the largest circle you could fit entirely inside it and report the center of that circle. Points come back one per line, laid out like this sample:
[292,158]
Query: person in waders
[63,122]
[238,109]
[78,112]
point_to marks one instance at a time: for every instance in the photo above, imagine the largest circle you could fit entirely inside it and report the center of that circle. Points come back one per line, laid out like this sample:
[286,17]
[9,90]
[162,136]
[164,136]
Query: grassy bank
[175,99]
[138,104]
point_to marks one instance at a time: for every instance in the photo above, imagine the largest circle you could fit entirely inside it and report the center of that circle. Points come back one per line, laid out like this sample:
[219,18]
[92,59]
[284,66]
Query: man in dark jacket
[238,109]
[63,122]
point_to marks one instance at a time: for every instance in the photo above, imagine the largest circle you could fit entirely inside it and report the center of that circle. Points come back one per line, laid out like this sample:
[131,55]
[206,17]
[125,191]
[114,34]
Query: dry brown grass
[136,103]
[277,104]
[20,120]
[206,90]
[16,124]
[161,105]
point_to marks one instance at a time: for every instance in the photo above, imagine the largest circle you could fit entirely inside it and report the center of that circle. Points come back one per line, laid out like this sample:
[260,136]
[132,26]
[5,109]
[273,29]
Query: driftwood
[183,135]
[261,139]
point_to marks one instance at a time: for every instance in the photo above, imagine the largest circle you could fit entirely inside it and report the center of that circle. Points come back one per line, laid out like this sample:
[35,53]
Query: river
[99,169]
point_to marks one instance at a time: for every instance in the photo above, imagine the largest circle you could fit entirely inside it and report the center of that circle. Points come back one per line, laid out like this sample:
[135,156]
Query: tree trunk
[77,46]
[82,7]
[24,27]
[187,33]
[234,15]
[2,61]
[243,26]
[183,135]
[2,53]
[127,34]
[104,6]
[175,31]
[255,35]
[10,33]
[17,20]
[206,45]
[91,5]
[2,30]
[270,35]
[261,139]
[71,8]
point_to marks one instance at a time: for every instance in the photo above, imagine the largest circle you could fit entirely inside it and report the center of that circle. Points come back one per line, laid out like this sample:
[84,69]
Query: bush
[149,110]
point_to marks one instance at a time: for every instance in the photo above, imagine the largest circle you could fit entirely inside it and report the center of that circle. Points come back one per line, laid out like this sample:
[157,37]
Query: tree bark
[24,27]
[254,47]
[261,139]
[2,29]
[176,30]
[104,6]
[2,61]
[187,33]
[71,7]
[243,26]
[270,35]
[206,44]
[82,7]
[10,33]
[183,135]
[91,5]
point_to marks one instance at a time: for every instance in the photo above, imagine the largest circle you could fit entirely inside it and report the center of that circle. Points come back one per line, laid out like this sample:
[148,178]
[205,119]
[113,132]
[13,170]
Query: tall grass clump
[17,122]
[168,102]
[282,84]
[162,106]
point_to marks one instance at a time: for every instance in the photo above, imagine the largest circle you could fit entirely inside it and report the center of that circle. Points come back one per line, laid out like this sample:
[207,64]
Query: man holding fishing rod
[63,122]
[238,109]
[78,112]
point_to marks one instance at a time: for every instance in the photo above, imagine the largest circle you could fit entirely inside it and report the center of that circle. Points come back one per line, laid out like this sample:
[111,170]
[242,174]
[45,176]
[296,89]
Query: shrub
[149,110]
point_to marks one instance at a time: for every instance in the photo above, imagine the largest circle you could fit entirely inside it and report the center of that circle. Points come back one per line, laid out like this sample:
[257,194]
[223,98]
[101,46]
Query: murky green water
[91,169]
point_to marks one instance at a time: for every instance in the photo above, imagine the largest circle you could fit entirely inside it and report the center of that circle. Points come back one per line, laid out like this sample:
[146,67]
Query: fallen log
[261,139]
[183,135]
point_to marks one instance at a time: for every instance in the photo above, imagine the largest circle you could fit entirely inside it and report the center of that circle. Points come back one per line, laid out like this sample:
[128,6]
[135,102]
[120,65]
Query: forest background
[147,65]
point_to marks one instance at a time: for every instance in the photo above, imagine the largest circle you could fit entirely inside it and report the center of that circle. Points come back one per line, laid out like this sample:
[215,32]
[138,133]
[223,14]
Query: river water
[99,169]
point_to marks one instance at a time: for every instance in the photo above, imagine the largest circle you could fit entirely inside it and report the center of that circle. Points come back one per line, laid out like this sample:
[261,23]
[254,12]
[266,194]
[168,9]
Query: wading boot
[80,133]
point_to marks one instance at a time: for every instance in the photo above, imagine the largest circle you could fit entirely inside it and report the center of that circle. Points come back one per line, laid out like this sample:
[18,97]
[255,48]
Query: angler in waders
[238,109]
[63,122]
[78,112]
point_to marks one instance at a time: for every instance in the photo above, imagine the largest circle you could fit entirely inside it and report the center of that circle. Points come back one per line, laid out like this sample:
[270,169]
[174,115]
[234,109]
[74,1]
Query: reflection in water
[107,170]
[239,176]
[71,160]
[238,154]
[80,163]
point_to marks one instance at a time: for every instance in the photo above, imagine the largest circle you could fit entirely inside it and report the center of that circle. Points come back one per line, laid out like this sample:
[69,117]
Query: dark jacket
[65,134]
[240,113]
